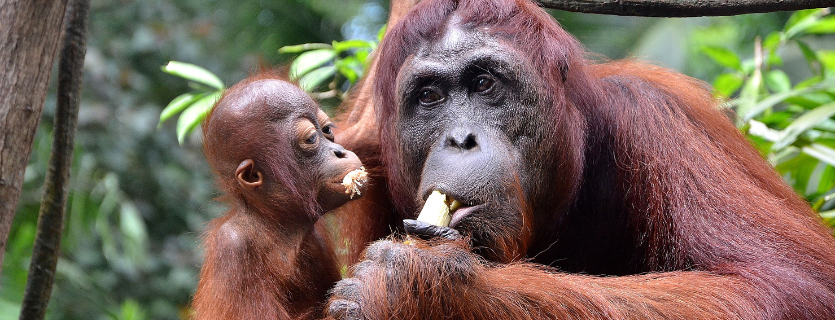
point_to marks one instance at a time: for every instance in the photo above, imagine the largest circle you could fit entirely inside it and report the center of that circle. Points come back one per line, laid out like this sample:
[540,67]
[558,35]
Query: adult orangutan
[272,151]
[569,171]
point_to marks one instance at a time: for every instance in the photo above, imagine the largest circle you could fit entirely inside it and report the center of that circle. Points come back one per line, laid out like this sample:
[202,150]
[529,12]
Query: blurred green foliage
[791,124]
[339,66]
[139,199]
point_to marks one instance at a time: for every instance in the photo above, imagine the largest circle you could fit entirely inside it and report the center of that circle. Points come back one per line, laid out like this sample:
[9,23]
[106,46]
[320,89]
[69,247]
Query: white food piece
[354,180]
[437,209]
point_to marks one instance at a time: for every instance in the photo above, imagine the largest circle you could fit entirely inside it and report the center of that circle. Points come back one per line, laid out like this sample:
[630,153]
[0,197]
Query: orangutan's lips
[462,213]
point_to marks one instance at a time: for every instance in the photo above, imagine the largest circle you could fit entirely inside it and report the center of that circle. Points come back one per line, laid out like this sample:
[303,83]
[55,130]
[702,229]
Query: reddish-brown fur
[659,191]
[271,278]
[264,259]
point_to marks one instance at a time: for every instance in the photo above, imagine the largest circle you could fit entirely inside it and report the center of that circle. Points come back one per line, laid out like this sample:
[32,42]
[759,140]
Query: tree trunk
[29,34]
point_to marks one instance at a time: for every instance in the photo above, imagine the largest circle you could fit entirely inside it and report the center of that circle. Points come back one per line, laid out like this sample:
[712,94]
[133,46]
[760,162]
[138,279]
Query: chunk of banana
[437,209]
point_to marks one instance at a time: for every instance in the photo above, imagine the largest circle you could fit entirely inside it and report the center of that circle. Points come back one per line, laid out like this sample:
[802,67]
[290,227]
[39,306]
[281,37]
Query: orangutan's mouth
[462,213]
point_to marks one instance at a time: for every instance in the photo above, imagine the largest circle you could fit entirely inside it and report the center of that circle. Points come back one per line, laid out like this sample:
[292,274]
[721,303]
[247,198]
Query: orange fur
[665,211]
[269,256]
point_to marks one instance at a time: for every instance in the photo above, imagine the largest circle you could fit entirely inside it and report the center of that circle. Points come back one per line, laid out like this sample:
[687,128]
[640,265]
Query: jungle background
[139,199]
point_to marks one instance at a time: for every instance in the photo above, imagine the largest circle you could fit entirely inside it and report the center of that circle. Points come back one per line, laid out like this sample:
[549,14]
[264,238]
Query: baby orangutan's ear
[247,176]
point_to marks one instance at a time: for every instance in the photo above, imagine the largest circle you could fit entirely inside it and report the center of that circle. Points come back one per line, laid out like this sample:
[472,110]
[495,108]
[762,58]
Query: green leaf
[825,25]
[808,53]
[773,60]
[352,44]
[748,112]
[772,41]
[814,81]
[819,180]
[826,125]
[346,70]
[193,73]
[798,170]
[778,81]
[381,33]
[829,216]
[178,105]
[310,60]
[748,106]
[827,59]
[821,152]
[724,57]
[810,100]
[778,119]
[351,68]
[362,56]
[131,223]
[192,116]
[316,77]
[131,310]
[796,17]
[759,129]
[802,20]
[803,123]
[727,83]
[304,47]
[788,158]
[748,66]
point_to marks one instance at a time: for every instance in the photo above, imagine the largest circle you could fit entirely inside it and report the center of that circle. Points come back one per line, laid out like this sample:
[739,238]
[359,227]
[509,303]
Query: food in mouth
[438,209]
[354,180]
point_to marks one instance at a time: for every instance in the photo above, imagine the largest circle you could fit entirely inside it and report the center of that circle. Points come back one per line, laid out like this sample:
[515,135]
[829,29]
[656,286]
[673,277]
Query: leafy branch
[192,106]
[334,67]
[791,124]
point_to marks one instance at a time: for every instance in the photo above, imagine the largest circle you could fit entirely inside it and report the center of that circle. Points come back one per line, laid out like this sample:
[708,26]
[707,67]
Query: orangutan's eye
[483,83]
[429,97]
[328,131]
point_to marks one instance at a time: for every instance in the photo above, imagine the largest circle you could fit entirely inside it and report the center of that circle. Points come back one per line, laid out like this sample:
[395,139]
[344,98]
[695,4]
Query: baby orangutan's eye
[308,136]
[328,131]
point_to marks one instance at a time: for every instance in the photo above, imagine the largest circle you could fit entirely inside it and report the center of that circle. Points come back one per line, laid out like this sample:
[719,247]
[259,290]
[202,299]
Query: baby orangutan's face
[332,163]
[280,141]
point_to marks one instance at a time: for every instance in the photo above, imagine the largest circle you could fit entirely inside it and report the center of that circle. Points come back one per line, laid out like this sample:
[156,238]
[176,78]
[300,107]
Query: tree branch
[51,217]
[682,8]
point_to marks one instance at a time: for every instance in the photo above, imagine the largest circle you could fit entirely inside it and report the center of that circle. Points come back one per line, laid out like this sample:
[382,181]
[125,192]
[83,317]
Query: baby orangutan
[272,151]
